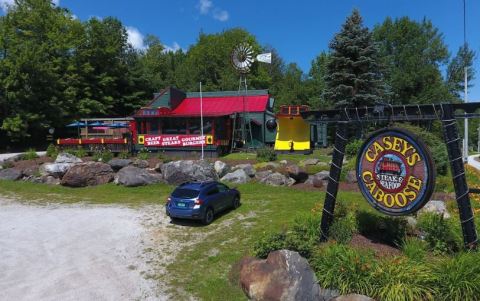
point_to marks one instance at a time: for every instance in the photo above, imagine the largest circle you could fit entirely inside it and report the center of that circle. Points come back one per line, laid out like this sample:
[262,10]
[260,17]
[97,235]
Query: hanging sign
[395,172]
[174,140]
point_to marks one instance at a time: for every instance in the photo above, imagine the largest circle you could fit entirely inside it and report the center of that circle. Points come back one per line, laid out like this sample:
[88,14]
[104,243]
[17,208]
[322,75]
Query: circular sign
[395,172]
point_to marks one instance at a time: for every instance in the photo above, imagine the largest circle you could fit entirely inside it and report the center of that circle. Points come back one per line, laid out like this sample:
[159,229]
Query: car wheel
[236,202]
[208,217]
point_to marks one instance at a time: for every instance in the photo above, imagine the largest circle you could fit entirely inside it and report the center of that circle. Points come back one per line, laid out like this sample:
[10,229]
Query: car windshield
[185,193]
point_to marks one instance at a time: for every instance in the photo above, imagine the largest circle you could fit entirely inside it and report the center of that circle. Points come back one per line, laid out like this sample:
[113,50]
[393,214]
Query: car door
[224,195]
[214,198]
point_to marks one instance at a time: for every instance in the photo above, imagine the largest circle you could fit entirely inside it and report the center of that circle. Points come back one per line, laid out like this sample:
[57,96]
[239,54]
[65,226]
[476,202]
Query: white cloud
[221,15]
[174,48]
[135,38]
[6,4]
[204,6]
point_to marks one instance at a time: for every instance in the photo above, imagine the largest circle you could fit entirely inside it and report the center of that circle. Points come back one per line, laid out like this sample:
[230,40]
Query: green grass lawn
[321,154]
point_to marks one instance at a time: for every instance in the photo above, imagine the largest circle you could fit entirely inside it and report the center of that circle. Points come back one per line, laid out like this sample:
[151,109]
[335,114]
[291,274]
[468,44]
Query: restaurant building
[231,119]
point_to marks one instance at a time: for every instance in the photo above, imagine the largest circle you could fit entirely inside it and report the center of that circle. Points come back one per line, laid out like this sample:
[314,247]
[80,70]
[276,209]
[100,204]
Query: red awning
[221,106]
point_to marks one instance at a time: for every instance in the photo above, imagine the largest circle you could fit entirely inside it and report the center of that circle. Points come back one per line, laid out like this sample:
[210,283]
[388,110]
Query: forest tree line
[55,68]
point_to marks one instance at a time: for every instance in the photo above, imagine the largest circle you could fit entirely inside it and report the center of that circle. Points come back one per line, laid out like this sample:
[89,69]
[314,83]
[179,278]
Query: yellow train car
[293,132]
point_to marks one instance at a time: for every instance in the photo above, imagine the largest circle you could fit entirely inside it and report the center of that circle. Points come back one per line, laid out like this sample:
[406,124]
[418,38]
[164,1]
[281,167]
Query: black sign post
[388,113]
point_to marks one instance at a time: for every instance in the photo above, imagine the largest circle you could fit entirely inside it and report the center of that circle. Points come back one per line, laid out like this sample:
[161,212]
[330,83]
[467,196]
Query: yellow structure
[293,133]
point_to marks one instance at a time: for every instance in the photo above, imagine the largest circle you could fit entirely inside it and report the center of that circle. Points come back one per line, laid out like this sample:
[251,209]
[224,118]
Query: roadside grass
[102,194]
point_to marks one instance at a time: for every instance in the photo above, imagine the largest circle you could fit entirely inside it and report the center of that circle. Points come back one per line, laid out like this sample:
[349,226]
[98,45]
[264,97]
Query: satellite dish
[242,58]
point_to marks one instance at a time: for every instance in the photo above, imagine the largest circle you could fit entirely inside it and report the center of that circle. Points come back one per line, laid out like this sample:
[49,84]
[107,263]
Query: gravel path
[79,252]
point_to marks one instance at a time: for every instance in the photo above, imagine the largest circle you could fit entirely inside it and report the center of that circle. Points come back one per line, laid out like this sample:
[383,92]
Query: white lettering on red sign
[174,140]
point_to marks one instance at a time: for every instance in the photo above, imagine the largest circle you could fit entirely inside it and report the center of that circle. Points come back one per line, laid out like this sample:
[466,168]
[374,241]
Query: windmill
[242,59]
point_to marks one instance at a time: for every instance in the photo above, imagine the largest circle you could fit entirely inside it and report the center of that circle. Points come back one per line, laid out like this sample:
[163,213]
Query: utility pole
[465,71]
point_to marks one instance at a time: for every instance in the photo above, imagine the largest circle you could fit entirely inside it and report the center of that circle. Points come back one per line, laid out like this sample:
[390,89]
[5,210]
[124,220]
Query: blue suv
[201,200]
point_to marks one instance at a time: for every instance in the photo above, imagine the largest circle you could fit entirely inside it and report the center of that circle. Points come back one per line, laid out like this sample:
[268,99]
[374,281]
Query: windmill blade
[265,57]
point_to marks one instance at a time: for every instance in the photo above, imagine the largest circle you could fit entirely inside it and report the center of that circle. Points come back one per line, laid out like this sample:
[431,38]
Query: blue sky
[299,30]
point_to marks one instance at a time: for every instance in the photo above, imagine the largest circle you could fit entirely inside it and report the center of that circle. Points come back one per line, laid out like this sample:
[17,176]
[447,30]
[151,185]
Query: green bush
[439,233]
[459,277]
[390,230]
[343,228]
[124,155]
[30,154]
[103,156]
[269,242]
[414,248]
[143,154]
[266,154]
[80,152]
[304,234]
[435,143]
[344,269]
[352,148]
[52,151]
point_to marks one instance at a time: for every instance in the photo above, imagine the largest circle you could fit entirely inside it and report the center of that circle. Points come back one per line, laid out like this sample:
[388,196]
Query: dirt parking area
[80,252]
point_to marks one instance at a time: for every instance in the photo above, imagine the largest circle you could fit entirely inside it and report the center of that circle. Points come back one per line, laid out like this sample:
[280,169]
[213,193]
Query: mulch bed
[380,249]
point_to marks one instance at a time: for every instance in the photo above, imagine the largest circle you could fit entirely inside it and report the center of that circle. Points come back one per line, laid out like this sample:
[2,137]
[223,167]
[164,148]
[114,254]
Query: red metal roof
[221,106]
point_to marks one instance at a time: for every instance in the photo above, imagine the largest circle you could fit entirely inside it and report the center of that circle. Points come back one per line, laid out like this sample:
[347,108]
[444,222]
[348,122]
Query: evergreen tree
[354,77]
[456,71]
[315,84]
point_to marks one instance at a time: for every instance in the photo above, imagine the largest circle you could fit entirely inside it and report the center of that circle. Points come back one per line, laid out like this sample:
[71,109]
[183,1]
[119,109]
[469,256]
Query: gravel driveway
[79,252]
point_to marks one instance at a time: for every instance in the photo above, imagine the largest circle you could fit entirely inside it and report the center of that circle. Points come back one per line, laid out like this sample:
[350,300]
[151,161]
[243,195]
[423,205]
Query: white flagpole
[201,117]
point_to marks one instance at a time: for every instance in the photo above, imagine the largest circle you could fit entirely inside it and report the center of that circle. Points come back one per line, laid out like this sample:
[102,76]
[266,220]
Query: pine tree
[354,77]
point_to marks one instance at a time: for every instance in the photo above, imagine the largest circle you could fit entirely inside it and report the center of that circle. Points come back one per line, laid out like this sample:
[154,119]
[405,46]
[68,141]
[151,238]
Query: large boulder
[118,164]
[296,173]
[10,174]
[351,177]
[88,174]
[319,180]
[352,297]
[221,168]
[67,158]
[132,176]
[284,275]
[56,170]
[178,172]
[277,179]
[248,168]
[32,170]
[263,174]
[141,163]
[238,176]
[437,207]
[311,161]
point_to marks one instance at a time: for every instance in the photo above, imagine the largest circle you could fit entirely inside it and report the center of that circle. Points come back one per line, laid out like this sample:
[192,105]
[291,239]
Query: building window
[174,126]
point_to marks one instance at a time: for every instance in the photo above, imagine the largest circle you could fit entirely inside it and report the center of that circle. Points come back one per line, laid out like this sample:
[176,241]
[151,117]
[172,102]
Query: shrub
[103,156]
[439,233]
[459,277]
[266,154]
[80,152]
[304,234]
[268,243]
[414,248]
[399,278]
[352,148]
[52,151]
[344,269]
[143,154]
[390,230]
[343,228]
[435,144]
[30,154]
[124,155]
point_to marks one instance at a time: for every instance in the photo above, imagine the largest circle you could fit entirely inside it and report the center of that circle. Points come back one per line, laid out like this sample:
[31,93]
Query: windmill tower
[242,59]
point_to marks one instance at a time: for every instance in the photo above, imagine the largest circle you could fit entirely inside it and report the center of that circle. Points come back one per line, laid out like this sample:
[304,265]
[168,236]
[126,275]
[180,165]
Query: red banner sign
[174,140]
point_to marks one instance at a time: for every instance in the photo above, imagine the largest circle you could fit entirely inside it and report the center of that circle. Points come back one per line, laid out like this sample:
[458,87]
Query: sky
[299,29]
